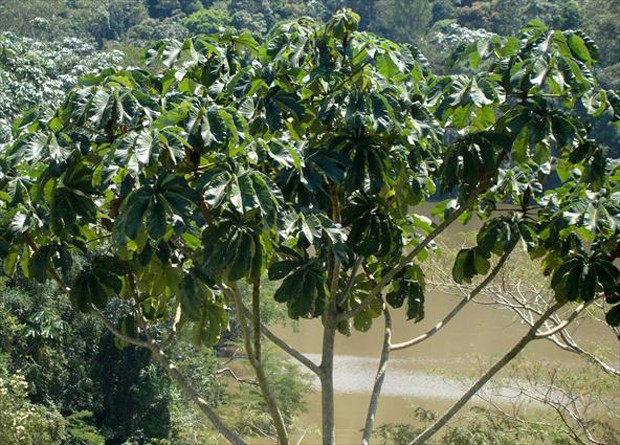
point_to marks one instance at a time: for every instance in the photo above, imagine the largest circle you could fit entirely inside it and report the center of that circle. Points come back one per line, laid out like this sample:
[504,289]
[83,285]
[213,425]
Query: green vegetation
[64,380]
[173,200]
[34,72]
[523,421]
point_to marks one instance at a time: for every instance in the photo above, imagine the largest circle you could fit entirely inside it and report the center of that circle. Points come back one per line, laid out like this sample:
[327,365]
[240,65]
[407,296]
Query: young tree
[299,161]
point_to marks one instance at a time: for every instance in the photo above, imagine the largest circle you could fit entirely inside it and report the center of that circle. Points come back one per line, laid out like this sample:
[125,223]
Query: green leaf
[173,117]
[303,303]
[280,269]
[39,262]
[146,147]
[79,294]
[362,321]
[273,115]
[482,264]
[132,212]
[290,287]
[579,49]
[156,224]
[10,261]
[613,316]
[415,302]
[464,267]
[395,298]
[128,326]
[216,187]
[240,266]
[193,294]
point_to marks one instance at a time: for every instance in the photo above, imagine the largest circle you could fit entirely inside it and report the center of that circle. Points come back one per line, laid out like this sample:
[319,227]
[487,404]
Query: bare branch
[565,402]
[564,323]
[379,378]
[294,353]
[460,305]
[236,377]
[572,346]
[507,358]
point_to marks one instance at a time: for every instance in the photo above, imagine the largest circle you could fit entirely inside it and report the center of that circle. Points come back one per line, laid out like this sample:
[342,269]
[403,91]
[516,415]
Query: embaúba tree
[299,160]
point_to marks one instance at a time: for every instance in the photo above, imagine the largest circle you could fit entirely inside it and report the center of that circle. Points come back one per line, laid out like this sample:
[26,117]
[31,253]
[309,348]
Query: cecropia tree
[299,160]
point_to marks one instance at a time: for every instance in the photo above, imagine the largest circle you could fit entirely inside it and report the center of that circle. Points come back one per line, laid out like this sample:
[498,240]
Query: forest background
[61,375]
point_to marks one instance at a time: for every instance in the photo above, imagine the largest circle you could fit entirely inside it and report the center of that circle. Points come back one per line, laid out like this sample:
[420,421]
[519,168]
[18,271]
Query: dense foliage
[437,26]
[21,421]
[76,373]
[294,156]
[399,20]
[240,156]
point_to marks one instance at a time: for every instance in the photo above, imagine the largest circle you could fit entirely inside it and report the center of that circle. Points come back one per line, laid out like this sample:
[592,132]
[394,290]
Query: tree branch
[186,387]
[118,334]
[571,346]
[379,378]
[294,353]
[256,323]
[159,356]
[276,416]
[236,377]
[562,325]
[490,277]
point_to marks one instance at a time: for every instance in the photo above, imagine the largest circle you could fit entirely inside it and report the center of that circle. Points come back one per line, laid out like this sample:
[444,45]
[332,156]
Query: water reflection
[355,375]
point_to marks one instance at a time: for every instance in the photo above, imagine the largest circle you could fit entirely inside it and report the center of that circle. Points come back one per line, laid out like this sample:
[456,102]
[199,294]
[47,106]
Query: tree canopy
[301,160]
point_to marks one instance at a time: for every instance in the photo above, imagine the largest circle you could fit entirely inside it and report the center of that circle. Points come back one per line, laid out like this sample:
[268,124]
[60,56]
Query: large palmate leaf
[94,285]
[303,287]
[408,286]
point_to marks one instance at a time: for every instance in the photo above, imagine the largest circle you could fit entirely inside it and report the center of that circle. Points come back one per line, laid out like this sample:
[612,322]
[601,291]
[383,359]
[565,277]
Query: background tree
[36,73]
[208,21]
[20,420]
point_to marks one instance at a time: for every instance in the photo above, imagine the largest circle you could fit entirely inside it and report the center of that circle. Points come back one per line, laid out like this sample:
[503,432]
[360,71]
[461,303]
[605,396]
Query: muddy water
[426,375]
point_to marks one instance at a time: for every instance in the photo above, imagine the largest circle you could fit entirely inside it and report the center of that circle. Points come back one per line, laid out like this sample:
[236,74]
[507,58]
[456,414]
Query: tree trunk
[261,376]
[327,378]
